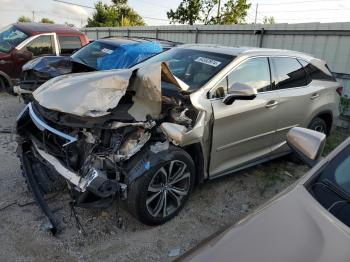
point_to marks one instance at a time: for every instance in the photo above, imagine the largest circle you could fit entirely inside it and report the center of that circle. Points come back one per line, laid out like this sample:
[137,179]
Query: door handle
[314,96]
[2,62]
[271,103]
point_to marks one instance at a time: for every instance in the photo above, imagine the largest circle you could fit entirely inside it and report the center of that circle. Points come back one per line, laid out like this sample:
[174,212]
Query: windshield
[332,187]
[10,37]
[89,54]
[194,67]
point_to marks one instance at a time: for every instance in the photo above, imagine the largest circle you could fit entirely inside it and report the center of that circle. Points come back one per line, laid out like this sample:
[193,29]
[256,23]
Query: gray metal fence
[329,41]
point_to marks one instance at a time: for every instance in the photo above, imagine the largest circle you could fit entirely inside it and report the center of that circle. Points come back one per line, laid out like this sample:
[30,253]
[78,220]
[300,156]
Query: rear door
[243,132]
[296,98]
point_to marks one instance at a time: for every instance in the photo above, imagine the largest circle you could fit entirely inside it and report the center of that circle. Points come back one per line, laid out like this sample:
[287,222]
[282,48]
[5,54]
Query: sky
[154,12]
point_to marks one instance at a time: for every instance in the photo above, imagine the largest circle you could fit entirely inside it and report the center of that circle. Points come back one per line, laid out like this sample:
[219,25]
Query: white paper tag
[107,51]
[208,61]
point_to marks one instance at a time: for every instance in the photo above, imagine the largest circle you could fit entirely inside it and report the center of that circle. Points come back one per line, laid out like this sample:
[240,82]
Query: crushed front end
[100,145]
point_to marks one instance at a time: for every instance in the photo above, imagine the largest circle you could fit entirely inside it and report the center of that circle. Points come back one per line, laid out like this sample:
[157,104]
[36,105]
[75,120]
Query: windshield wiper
[336,189]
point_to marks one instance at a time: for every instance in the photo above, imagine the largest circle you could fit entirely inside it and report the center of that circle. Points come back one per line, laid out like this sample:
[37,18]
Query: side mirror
[241,92]
[307,144]
[23,55]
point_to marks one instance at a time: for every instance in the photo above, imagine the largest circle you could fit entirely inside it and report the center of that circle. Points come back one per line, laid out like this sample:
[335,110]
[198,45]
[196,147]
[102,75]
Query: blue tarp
[128,55]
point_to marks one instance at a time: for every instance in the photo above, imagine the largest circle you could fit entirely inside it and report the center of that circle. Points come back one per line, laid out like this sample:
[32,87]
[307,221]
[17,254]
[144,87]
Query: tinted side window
[289,73]
[69,44]
[41,45]
[255,73]
[316,73]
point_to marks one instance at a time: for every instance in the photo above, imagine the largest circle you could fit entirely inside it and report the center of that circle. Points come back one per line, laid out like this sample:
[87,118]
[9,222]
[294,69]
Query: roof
[240,50]
[30,28]
[115,40]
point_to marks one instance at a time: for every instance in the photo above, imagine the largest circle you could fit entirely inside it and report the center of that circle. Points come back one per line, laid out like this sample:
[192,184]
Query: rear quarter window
[69,44]
[316,73]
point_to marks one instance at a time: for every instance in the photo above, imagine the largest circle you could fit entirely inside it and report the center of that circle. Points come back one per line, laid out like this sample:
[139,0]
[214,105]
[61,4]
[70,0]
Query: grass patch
[336,138]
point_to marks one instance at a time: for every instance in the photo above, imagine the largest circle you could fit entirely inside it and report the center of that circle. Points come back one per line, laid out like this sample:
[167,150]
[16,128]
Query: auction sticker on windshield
[107,51]
[208,61]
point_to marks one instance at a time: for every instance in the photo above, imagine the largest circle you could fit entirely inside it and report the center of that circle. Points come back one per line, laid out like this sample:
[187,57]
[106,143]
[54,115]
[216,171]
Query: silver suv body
[150,133]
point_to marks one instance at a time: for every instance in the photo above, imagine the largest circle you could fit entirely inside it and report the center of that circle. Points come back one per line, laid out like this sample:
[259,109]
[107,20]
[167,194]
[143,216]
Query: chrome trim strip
[42,126]
[24,110]
[254,137]
[243,140]
[286,128]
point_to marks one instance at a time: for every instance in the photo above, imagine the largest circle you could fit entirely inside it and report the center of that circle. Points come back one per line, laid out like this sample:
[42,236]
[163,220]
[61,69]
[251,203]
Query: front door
[243,132]
[38,46]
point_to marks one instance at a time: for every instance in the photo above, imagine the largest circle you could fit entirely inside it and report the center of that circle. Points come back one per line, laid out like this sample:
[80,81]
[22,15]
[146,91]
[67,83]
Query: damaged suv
[149,134]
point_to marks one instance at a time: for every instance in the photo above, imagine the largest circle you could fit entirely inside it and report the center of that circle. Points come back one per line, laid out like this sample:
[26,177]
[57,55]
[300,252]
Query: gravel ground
[113,234]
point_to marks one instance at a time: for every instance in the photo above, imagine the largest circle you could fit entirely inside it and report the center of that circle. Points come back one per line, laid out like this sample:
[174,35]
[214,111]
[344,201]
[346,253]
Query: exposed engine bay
[100,131]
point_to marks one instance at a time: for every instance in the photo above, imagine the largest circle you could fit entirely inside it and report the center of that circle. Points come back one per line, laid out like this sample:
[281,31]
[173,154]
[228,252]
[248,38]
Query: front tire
[160,194]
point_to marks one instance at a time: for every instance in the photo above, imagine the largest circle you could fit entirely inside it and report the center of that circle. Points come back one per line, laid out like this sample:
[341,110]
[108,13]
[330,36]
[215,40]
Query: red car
[22,42]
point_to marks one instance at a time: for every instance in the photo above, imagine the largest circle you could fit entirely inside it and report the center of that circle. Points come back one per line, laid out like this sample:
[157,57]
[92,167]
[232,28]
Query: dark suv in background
[22,42]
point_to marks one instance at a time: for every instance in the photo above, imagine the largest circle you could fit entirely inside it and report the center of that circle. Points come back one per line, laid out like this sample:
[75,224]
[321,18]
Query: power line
[300,2]
[307,10]
[40,12]
[153,18]
[70,3]
[153,4]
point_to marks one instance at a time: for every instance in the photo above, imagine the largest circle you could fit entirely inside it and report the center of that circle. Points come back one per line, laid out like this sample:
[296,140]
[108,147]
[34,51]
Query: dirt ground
[213,205]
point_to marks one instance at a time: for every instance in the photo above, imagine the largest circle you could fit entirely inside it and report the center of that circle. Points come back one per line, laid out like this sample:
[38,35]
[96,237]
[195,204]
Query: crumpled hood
[95,94]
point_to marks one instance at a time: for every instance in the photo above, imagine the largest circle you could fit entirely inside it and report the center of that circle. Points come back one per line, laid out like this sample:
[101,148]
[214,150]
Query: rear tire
[2,85]
[161,192]
[5,86]
[319,125]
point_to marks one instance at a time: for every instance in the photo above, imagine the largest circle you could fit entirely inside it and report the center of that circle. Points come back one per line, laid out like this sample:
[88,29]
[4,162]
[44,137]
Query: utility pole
[256,13]
[218,13]
[33,12]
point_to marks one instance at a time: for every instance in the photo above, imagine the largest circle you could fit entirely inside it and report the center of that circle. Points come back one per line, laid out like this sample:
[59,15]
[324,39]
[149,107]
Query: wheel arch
[326,116]
[196,152]
[6,79]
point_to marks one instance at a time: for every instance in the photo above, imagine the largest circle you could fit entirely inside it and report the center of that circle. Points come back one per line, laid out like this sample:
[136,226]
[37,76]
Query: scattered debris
[288,174]
[174,252]
[245,207]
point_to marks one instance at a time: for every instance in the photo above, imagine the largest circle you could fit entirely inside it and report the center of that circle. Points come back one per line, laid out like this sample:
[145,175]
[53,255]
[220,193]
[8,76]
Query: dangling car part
[147,134]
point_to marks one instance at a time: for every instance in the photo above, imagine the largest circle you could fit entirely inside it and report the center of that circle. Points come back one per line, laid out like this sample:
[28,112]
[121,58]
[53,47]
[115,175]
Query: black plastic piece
[38,195]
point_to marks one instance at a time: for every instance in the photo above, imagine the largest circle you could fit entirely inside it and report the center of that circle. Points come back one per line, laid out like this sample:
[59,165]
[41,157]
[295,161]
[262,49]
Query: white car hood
[293,228]
[95,94]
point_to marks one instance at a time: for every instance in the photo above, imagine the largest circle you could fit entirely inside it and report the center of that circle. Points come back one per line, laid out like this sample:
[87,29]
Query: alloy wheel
[320,128]
[167,189]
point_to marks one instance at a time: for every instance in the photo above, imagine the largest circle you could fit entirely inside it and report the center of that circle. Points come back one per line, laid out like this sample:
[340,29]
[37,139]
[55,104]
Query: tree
[269,20]
[187,12]
[117,14]
[46,20]
[192,11]
[24,19]
[234,12]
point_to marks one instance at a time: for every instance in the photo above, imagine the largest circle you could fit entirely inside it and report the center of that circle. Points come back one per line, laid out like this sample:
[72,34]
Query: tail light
[340,90]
